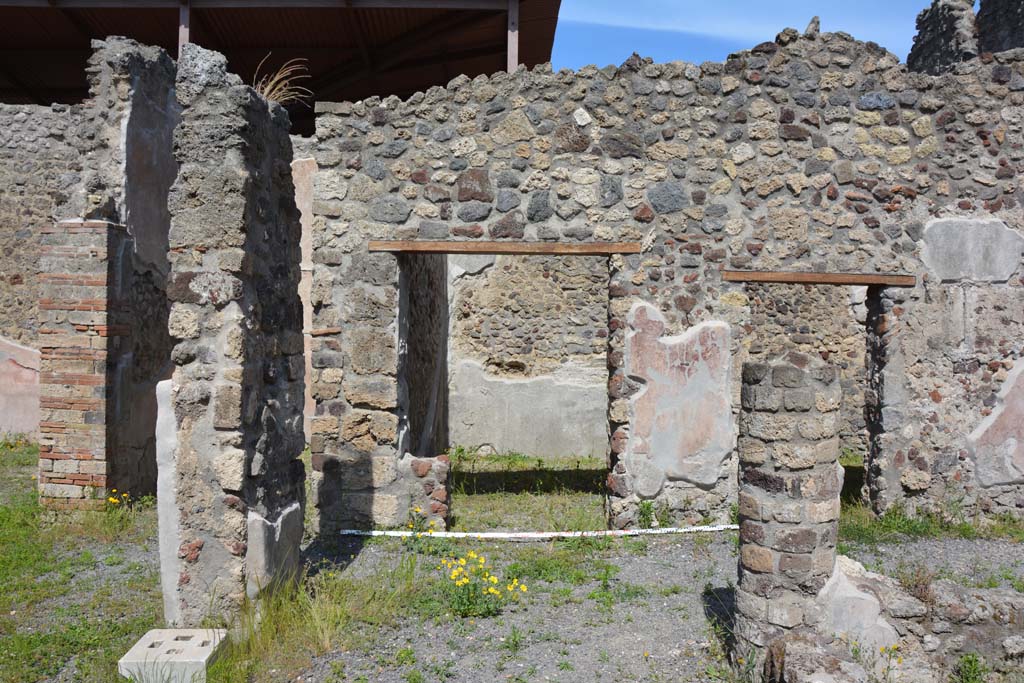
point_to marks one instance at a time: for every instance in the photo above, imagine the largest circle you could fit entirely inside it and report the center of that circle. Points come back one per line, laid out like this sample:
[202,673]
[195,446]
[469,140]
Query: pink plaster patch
[19,388]
[998,443]
[682,417]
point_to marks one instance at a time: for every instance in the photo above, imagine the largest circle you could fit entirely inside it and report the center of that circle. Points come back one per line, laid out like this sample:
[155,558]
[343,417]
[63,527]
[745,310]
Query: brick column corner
[74,343]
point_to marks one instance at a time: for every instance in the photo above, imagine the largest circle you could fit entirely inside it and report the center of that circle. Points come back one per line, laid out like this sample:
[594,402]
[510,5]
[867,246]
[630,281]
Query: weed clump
[472,589]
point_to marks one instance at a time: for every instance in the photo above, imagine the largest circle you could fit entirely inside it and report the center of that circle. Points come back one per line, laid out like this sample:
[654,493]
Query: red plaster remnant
[682,417]
[421,468]
[997,444]
[190,551]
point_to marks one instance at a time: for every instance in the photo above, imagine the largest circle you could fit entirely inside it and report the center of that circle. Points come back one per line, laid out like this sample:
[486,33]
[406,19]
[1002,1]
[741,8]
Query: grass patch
[53,606]
[565,511]
[560,563]
[513,491]
[317,614]
[858,524]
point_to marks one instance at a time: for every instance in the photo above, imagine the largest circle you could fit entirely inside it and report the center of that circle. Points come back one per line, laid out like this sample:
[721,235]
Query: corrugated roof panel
[409,49]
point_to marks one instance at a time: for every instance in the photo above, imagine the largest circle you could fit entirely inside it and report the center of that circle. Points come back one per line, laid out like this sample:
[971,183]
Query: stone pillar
[75,341]
[790,481]
[237,388]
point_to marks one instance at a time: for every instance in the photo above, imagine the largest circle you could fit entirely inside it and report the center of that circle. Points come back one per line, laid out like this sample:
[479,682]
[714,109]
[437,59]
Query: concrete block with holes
[172,655]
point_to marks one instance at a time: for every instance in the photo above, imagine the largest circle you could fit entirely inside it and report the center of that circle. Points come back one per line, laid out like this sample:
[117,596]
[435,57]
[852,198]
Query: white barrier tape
[539,535]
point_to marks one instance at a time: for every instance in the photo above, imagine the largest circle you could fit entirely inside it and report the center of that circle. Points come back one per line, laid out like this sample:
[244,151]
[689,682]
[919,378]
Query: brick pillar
[75,342]
[790,481]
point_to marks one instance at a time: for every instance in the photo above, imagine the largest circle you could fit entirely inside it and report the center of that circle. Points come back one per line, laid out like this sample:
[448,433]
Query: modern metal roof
[354,48]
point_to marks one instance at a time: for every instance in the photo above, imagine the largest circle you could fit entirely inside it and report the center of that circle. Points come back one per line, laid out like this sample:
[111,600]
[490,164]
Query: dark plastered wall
[423,344]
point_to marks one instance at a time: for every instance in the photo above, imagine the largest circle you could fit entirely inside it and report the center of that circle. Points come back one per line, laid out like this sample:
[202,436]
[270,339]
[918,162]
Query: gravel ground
[978,563]
[656,629]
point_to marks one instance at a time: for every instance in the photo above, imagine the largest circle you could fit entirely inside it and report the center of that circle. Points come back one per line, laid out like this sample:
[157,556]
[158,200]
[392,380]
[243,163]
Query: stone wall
[237,388]
[806,614]
[38,165]
[528,354]
[1000,25]
[812,152]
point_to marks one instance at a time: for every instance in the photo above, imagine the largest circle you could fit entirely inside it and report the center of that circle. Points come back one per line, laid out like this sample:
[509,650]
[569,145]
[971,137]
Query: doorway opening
[503,367]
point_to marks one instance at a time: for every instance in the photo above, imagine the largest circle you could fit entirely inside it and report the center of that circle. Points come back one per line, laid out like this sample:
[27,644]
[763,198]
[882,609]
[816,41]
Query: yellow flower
[471,555]
[417,509]
[462,561]
[113,500]
[494,579]
[522,588]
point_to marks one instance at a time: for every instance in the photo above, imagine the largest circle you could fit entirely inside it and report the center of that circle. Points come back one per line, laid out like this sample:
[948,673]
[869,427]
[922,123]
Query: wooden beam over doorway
[515,248]
[804,278]
[184,24]
[513,36]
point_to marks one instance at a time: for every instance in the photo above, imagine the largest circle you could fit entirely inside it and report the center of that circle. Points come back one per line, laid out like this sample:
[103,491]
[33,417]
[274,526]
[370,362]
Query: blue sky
[607,31]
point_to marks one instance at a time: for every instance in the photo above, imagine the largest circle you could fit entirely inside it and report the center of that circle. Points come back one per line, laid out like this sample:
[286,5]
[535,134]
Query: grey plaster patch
[545,416]
[168,514]
[273,548]
[848,610]
[972,249]
[460,265]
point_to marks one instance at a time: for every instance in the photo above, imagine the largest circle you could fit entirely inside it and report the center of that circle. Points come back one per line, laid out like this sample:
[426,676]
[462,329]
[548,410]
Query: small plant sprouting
[645,514]
[969,669]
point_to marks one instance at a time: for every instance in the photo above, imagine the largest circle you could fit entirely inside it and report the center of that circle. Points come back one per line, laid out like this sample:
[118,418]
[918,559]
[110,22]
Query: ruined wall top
[945,36]
[948,33]
[1000,25]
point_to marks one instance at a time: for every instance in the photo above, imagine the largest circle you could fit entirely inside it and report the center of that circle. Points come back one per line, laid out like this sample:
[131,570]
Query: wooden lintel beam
[794,278]
[514,248]
[494,5]
[512,60]
[184,24]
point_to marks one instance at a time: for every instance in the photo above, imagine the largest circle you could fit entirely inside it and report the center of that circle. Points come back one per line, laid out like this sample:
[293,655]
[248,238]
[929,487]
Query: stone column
[790,481]
[237,389]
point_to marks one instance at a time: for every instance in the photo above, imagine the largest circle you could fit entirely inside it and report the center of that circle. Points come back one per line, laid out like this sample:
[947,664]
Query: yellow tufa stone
[734,299]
